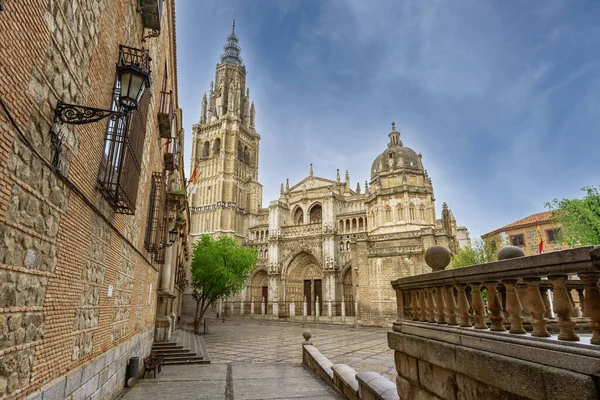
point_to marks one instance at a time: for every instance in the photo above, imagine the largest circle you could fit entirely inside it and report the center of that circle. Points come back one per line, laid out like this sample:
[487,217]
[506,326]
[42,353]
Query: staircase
[184,348]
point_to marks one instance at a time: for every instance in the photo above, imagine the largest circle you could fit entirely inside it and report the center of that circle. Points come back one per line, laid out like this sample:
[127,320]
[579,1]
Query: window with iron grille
[552,235]
[155,205]
[119,175]
[517,240]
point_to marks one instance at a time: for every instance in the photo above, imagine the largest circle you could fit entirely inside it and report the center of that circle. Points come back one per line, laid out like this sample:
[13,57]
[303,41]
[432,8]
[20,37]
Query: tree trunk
[197,319]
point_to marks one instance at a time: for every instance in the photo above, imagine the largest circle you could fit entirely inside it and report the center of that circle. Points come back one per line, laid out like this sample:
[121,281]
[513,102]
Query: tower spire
[231,49]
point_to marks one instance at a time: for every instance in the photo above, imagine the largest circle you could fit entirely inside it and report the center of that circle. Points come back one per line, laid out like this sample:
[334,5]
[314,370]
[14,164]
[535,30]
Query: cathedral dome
[396,157]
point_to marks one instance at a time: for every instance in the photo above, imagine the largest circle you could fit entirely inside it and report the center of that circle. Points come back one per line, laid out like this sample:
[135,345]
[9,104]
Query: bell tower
[225,152]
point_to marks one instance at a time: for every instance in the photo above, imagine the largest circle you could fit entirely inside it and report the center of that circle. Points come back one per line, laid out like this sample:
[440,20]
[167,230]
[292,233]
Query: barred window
[517,240]
[119,175]
[155,207]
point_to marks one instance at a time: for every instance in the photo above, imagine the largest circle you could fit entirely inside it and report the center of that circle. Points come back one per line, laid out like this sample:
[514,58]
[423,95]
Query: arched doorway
[259,287]
[304,280]
[348,292]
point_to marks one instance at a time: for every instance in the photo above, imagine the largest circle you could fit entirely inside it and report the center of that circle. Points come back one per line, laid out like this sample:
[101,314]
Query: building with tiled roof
[522,233]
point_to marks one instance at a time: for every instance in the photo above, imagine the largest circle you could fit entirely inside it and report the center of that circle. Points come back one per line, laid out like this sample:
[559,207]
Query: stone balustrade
[521,292]
[302,230]
[524,326]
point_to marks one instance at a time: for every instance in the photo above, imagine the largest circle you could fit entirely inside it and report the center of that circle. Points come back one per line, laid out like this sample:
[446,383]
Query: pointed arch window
[206,149]
[422,213]
[217,147]
[400,213]
[411,212]
[388,215]
[316,214]
[298,216]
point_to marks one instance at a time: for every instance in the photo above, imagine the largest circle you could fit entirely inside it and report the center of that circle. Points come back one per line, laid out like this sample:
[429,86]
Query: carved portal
[304,280]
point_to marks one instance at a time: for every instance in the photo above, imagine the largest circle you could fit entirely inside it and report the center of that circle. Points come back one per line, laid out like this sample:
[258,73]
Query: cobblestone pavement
[250,341]
[232,382]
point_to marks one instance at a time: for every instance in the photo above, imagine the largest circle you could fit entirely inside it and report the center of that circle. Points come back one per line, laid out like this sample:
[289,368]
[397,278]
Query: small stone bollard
[307,335]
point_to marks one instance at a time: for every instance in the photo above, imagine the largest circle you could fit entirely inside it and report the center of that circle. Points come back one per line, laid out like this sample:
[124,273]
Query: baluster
[440,312]
[502,295]
[430,305]
[414,295]
[513,306]
[494,307]
[450,305]
[592,303]
[422,306]
[478,306]
[544,291]
[523,296]
[463,306]
[407,305]
[536,307]
[571,300]
[581,297]
[563,308]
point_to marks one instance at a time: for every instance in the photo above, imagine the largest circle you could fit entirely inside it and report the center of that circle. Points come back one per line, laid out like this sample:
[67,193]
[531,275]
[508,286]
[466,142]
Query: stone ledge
[577,357]
[316,361]
[344,378]
[373,386]
[510,374]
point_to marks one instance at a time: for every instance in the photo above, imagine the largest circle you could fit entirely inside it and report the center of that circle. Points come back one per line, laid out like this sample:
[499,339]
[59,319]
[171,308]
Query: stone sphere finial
[510,252]
[437,257]
[307,335]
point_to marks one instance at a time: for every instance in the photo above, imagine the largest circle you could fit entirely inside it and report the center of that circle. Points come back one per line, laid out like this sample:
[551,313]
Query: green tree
[479,253]
[220,268]
[578,219]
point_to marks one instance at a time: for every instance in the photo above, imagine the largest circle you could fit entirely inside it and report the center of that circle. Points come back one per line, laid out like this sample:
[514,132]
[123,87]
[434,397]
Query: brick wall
[61,245]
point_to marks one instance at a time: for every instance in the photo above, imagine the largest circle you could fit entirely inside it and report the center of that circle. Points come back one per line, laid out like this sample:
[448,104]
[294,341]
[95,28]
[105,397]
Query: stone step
[191,360]
[181,356]
[175,351]
[154,348]
[164,344]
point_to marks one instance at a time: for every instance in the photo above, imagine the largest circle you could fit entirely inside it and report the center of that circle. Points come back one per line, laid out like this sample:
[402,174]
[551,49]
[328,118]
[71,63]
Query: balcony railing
[151,11]
[528,297]
[171,156]
[165,116]
[302,230]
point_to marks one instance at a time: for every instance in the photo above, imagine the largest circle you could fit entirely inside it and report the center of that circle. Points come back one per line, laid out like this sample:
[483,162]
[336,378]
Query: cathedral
[326,251]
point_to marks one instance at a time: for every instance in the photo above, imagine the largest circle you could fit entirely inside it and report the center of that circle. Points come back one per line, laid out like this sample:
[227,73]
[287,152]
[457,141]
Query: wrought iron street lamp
[133,77]
[172,237]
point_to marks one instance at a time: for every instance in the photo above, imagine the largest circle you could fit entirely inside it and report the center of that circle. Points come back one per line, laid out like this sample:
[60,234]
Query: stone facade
[63,249]
[322,242]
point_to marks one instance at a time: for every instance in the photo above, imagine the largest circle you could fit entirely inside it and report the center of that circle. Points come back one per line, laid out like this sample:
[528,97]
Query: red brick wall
[58,252]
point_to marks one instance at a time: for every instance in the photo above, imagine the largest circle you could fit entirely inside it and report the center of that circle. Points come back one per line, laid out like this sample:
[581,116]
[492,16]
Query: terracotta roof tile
[530,220]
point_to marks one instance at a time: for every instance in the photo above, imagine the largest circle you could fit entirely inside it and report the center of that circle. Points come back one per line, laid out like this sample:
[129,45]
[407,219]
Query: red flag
[195,172]
[539,235]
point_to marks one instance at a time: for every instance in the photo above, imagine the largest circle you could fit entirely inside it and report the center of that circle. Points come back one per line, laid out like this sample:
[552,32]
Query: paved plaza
[233,381]
[275,350]
[252,341]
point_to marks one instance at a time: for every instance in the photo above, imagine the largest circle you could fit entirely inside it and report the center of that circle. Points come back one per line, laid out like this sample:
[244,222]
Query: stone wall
[433,369]
[531,238]
[61,245]
[101,378]
[376,267]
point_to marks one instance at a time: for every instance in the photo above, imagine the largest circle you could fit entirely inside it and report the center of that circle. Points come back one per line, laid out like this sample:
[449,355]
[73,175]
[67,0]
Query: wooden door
[319,294]
[308,296]
[265,292]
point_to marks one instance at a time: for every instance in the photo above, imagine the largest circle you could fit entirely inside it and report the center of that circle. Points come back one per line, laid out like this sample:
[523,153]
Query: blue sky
[501,98]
